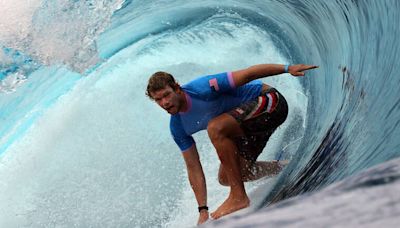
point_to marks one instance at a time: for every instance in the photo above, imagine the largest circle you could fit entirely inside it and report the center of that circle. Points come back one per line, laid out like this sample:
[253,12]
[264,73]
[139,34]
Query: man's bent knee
[223,126]
[215,129]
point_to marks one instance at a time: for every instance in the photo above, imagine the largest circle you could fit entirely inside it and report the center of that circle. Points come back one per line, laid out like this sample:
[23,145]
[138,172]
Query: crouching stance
[239,112]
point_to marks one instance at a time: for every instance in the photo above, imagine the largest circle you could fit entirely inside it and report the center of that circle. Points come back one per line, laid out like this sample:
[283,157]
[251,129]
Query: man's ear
[177,87]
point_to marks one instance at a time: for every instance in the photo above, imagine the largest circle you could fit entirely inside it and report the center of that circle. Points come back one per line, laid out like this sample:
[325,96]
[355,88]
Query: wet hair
[160,80]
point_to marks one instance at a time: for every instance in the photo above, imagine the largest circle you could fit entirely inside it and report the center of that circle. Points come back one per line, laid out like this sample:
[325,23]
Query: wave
[88,148]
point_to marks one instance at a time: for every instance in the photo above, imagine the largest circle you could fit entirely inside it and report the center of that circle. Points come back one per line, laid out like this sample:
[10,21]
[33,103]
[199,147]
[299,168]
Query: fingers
[297,74]
[297,70]
[306,67]
[312,67]
[203,218]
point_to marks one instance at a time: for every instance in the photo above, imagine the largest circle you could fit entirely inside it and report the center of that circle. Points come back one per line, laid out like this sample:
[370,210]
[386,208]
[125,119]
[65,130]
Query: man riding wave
[239,112]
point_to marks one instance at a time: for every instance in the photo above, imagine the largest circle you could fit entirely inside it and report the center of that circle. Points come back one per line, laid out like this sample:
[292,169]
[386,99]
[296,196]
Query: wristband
[286,68]
[202,208]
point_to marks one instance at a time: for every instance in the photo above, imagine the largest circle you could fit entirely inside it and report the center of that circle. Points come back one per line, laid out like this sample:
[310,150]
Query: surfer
[239,112]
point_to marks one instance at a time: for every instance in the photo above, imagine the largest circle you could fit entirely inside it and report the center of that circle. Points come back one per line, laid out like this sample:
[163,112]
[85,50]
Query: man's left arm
[244,76]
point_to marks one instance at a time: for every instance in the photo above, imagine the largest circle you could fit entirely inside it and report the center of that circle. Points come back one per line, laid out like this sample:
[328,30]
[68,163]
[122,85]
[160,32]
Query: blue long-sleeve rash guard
[208,97]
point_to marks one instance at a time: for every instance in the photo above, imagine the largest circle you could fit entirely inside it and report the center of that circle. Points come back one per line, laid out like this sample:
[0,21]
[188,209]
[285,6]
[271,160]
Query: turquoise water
[82,146]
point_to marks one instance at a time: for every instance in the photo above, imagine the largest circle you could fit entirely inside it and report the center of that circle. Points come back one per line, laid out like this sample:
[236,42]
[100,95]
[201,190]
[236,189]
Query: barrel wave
[81,145]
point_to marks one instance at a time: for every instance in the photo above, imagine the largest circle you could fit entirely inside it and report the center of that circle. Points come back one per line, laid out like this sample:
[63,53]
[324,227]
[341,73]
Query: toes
[214,215]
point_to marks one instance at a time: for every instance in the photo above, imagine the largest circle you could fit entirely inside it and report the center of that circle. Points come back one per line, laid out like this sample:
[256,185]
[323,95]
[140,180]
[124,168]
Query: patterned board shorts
[259,118]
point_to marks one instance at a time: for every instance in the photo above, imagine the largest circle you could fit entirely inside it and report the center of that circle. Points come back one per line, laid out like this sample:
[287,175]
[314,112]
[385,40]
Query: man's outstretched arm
[244,76]
[197,180]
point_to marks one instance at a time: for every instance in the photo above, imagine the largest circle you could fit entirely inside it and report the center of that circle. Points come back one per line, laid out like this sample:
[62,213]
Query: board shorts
[258,119]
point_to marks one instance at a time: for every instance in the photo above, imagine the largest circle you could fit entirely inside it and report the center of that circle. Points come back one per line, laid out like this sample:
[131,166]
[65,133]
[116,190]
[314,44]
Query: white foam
[56,31]
[12,82]
[16,19]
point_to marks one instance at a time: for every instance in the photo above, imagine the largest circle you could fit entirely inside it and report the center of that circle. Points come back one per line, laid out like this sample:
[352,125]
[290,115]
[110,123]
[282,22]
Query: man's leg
[224,131]
[252,171]
[259,169]
[221,131]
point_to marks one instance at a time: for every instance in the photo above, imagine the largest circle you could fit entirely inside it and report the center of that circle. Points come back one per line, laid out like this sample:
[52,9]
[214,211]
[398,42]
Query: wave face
[82,146]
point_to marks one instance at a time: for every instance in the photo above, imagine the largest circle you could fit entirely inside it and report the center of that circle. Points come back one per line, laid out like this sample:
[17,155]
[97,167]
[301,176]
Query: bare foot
[230,205]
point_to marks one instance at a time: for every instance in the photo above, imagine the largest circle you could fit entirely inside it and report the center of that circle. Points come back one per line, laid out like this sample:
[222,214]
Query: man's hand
[298,70]
[203,217]
[241,77]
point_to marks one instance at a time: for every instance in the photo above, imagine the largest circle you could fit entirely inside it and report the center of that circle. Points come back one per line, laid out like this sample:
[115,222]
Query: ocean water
[82,146]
